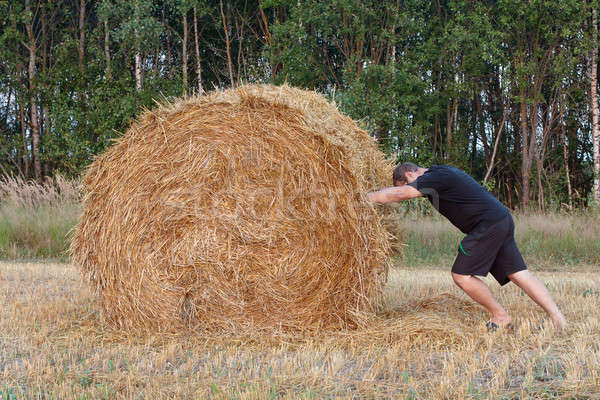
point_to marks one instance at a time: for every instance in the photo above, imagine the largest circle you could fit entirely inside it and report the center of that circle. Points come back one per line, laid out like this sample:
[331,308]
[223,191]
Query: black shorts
[490,249]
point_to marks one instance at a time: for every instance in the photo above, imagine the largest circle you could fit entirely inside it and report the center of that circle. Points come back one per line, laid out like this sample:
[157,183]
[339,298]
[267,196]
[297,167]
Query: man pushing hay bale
[242,209]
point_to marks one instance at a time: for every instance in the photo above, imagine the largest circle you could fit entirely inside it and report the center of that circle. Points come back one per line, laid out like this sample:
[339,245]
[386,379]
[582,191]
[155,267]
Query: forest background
[505,89]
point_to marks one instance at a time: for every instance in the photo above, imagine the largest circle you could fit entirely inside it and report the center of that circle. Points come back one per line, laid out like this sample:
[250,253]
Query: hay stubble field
[284,245]
[429,342]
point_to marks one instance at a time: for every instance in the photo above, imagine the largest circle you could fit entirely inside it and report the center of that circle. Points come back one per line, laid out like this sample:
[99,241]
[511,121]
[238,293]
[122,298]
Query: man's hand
[394,194]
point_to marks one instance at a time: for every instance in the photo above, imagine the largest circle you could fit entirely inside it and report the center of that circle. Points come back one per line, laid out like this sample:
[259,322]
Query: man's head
[406,173]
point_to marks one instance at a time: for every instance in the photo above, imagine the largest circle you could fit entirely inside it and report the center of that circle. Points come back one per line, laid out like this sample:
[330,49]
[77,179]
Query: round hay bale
[242,209]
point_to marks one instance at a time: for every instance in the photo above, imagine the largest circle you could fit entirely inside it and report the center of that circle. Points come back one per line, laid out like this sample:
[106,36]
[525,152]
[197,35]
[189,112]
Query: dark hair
[401,170]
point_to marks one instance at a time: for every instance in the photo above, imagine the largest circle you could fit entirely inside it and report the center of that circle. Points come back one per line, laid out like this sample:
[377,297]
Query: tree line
[505,89]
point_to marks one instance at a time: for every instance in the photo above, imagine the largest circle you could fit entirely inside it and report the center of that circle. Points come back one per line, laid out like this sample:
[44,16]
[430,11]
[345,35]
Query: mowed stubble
[429,343]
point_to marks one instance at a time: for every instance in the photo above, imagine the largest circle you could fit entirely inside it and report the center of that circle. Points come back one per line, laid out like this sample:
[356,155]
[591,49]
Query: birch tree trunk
[138,55]
[227,44]
[184,53]
[169,57]
[138,67]
[525,167]
[81,47]
[33,112]
[107,48]
[594,101]
[82,95]
[241,61]
[197,49]
[451,118]
[498,135]
[535,152]
[20,114]
[563,135]
[26,158]
[267,35]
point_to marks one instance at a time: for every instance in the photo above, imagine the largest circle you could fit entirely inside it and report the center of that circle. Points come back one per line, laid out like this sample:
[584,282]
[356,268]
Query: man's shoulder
[435,169]
[447,176]
[450,170]
[435,177]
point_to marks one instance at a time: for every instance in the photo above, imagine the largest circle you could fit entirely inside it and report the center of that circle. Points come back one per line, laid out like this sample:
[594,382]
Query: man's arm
[394,194]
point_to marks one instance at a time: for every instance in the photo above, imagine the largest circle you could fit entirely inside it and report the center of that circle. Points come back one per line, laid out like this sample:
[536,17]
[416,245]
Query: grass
[547,241]
[36,221]
[40,232]
[428,343]
[36,218]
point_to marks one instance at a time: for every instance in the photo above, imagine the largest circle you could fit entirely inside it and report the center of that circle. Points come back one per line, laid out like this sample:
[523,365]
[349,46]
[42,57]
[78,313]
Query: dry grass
[17,192]
[551,241]
[36,218]
[429,343]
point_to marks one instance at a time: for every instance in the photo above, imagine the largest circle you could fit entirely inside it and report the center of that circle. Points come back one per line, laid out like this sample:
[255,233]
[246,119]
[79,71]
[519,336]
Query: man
[489,246]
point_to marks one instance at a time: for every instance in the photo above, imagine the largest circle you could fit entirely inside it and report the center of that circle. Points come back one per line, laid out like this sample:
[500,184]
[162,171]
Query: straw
[243,209]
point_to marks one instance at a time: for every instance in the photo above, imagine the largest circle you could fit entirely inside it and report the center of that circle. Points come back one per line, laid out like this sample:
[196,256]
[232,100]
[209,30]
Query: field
[428,343]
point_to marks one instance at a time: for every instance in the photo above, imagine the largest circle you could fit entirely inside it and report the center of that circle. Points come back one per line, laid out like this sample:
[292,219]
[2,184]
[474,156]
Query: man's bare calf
[540,294]
[479,291]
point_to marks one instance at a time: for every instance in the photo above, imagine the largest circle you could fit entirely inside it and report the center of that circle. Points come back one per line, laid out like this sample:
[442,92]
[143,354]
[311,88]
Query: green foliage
[136,27]
[386,98]
[429,80]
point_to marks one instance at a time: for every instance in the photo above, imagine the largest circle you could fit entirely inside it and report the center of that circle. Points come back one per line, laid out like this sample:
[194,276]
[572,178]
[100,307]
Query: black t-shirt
[459,197]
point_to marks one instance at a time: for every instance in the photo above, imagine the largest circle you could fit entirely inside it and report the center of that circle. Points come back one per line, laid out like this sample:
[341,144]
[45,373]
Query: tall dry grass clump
[241,209]
[36,217]
[16,191]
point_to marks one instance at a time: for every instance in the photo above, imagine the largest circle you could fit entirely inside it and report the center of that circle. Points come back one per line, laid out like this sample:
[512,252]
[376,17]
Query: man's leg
[480,292]
[540,294]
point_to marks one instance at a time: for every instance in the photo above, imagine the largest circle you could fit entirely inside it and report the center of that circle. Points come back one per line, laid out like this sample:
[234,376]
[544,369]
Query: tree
[594,107]
[34,123]
[499,88]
